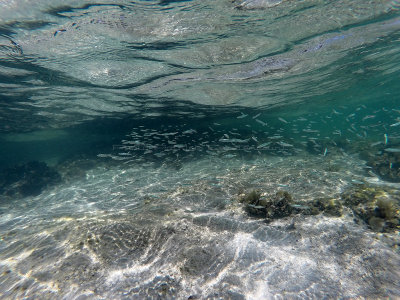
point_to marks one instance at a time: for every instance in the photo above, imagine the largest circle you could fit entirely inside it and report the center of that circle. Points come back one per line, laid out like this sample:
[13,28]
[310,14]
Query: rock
[28,179]
[329,206]
[376,206]
[76,167]
[251,198]
[277,206]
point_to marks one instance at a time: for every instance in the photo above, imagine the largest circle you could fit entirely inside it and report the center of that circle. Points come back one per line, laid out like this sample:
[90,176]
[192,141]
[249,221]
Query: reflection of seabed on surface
[165,233]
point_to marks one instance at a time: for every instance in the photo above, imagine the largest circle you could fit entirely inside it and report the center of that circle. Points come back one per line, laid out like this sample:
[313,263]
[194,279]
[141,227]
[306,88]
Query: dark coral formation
[27,179]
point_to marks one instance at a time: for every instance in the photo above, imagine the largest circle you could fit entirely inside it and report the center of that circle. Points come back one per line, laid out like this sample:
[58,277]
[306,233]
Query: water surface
[133,132]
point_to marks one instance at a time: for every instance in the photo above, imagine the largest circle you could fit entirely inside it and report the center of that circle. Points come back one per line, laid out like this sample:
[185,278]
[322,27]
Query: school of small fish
[249,133]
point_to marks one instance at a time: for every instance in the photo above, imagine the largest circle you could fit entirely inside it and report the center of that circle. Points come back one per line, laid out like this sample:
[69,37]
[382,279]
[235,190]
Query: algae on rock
[376,206]
[274,207]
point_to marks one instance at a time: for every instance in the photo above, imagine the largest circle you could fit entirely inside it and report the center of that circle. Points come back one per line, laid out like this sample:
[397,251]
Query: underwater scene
[203,149]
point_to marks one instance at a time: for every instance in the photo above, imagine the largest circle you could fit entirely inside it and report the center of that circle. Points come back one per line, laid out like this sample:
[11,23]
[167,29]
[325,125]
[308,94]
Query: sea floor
[182,231]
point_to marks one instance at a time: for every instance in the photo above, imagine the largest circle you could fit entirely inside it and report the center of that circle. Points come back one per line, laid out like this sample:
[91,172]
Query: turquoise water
[199,149]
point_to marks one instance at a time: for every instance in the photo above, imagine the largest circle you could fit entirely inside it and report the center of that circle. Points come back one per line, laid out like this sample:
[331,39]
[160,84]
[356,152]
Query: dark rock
[28,179]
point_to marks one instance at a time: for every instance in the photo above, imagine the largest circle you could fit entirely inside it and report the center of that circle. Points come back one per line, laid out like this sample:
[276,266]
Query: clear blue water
[132,133]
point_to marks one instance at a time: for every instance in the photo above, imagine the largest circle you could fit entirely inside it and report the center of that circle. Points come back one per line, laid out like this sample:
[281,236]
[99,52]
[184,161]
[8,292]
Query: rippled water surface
[229,149]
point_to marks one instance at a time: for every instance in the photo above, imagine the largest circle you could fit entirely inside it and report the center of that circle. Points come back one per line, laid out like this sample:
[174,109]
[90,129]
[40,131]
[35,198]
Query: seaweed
[251,198]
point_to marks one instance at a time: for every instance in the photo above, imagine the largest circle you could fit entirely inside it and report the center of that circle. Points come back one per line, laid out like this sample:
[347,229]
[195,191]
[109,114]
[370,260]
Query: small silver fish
[285,144]
[234,133]
[263,145]
[357,181]
[368,117]
[234,140]
[393,150]
[282,120]
[298,206]
[189,131]
[261,122]
[179,146]
[375,144]
[337,132]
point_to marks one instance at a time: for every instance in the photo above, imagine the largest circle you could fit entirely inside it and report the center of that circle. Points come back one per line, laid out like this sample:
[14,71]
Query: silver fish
[393,150]
[282,120]
[233,141]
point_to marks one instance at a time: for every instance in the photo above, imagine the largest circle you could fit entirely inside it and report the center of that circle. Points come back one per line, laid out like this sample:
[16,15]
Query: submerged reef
[378,207]
[27,179]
